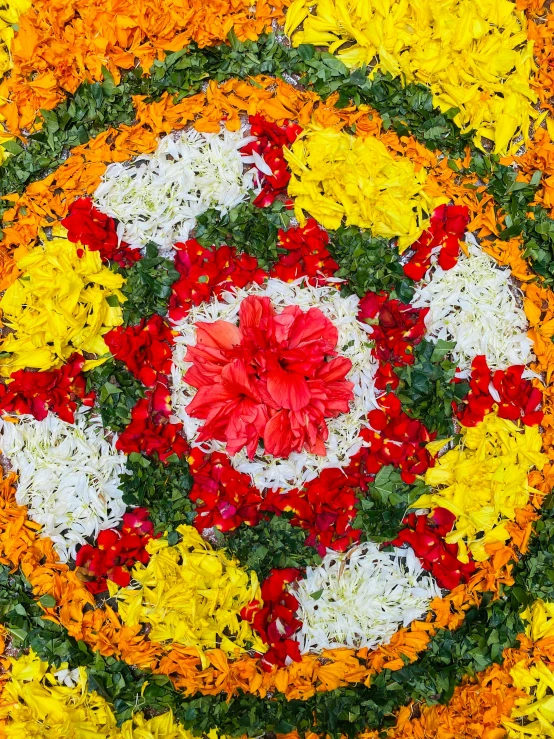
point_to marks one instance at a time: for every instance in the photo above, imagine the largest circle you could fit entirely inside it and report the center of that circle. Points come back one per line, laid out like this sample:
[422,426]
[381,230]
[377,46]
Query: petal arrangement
[276,410]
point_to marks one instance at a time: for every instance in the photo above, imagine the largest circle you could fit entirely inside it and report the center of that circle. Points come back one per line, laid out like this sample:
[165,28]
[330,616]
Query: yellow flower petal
[192,594]
[59,306]
[484,480]
[336,176]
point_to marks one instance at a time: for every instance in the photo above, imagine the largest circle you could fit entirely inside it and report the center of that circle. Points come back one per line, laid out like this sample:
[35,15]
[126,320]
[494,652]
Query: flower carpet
[276,369]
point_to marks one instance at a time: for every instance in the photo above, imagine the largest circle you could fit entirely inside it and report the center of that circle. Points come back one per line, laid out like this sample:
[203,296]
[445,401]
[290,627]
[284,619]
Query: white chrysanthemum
[265,470]
[68,476]
[360,598]
[475,305]
[157,197]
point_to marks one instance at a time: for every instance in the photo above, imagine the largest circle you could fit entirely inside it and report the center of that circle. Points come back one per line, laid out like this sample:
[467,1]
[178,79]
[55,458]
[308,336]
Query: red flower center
[273,378]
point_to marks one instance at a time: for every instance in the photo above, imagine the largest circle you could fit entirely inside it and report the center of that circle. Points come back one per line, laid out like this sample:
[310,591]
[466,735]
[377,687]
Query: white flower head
[157,197]
[67,677]
[475,305]
[269,472]
[68,476]
[360,598]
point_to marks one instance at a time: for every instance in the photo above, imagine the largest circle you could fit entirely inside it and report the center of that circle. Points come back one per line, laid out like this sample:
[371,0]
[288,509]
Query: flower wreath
[276,415]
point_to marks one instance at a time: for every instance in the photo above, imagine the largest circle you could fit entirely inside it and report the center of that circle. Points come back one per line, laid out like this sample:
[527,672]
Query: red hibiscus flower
[54,390]
[208,272]
[448,225]
[90,227]
[116,552]
[307,254]
[425,534]
[145,349]
[271,139]
[514,397]
[275,377]
[275,621]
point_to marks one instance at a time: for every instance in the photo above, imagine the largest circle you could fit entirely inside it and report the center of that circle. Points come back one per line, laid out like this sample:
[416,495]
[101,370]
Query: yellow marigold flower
[336,176]
[537,680]
[483,480]
[62,303]
[35,704]
[540,617]
[474,54]
[192,594]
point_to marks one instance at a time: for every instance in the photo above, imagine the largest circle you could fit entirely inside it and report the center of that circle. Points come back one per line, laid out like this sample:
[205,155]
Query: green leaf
[317,595]
[48,601]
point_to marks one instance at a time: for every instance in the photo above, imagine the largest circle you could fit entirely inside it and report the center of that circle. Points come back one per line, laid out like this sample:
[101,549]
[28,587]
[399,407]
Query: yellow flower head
[540,618]
[484,480]
[62,303]
[158,727]
[192,594]
[474,54]
[34,704]
[336,176]
[537,710]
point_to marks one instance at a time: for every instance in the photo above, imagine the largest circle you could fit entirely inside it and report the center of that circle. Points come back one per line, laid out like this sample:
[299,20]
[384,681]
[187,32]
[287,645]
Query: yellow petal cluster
[34,704]
[62,303]
[336,176]
[540,617]
[536,710]
[159,727]
[192,594]
[474,54]
[483,480]
[9,15]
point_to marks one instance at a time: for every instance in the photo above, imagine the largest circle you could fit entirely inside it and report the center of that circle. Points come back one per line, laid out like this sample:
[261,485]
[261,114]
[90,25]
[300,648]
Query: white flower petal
[360,598]
[474,304]
[68,476]
[157,197]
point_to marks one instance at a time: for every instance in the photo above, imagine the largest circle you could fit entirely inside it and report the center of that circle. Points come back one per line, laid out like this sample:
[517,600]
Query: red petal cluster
[55,390]
[325,507]
[275,377]
[396,439]
[307,254]
[448,225]
[87,225]
[515,397]
[271,139]
[224,498]
[425,534]
[150,430]
[275,621]
[395,328]
[145,349]
[207,272]
[116,552]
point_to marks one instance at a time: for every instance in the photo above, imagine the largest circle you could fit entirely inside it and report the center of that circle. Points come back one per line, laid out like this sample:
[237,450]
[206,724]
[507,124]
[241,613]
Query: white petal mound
[360,598]
[266,471]
[157,197]
[68,476]
[475,304]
